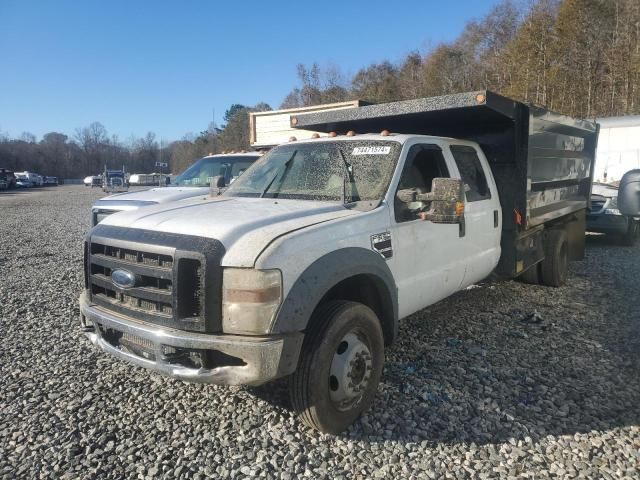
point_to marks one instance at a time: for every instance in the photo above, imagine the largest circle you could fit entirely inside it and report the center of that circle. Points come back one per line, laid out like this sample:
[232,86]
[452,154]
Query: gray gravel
[503,380]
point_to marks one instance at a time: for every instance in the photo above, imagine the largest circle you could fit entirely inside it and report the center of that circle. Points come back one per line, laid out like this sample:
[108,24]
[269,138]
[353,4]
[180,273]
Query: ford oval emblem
[123,278]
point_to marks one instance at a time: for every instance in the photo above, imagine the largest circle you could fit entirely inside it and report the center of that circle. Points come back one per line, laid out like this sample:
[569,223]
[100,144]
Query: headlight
[250,299]
[612,207]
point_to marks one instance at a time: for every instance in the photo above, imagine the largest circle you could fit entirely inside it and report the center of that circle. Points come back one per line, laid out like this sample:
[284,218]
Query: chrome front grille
[169,279]
[153,298]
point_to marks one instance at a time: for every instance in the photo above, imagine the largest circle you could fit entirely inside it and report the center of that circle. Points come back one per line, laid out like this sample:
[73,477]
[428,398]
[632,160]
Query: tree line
[91,148]
[577,57]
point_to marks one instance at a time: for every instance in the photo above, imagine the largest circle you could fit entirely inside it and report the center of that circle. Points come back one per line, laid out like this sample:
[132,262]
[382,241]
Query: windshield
[200,173]
[604,190]
[334,170]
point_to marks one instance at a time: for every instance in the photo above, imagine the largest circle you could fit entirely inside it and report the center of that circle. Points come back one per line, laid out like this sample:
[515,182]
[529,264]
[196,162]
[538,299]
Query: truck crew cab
[306,264]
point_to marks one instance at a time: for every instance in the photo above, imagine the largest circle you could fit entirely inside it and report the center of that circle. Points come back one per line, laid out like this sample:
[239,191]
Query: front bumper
[607,223]
[263,358]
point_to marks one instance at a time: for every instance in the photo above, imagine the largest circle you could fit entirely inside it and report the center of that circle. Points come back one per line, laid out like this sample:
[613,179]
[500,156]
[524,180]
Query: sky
[167,67]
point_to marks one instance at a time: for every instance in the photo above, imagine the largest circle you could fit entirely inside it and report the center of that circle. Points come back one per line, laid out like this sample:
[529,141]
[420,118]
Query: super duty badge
[381,243]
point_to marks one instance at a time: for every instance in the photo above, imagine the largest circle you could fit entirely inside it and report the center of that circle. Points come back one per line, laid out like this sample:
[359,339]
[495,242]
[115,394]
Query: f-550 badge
[381,243]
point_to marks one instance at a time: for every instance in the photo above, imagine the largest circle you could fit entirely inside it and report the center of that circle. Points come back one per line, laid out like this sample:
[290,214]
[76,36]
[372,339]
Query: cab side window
[424,163]
[475,182]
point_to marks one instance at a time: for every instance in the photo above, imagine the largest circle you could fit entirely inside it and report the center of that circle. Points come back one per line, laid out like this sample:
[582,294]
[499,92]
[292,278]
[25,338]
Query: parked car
[49,181]
[34,178]
[194,181]
[304,266]
[3,182]
[605,217]
[93,181]
[22,181]
[9,177]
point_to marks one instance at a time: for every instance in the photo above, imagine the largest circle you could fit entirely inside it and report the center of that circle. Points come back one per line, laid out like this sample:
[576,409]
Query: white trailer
[618,148]
[268,129]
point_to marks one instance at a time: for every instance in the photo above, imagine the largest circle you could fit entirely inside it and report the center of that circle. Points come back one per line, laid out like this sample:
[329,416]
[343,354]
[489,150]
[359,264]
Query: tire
[555,266]
[344,340]
[531,275]
[629,238]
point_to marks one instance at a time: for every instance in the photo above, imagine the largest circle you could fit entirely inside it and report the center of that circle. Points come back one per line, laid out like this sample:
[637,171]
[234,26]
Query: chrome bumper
[265,358]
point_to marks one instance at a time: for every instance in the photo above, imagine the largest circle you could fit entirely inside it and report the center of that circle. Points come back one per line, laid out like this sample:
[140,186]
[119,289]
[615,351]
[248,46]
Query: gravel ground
[503,380]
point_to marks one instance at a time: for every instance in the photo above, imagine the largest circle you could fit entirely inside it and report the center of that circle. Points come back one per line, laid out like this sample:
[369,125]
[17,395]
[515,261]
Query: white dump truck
[306,264]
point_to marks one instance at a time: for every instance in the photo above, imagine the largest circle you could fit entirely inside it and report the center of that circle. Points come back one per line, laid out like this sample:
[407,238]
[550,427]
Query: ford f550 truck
[306,264]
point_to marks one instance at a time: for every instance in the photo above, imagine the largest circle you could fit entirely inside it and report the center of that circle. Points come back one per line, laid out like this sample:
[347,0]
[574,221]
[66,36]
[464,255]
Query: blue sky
[163,66]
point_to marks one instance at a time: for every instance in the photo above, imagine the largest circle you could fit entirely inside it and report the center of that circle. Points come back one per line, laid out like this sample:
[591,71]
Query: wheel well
[372,292]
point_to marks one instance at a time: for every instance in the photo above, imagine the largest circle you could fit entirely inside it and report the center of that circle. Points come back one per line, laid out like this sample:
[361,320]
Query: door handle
[495,219]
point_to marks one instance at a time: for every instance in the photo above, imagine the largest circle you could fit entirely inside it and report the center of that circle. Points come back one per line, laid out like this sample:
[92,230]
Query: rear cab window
[471,172]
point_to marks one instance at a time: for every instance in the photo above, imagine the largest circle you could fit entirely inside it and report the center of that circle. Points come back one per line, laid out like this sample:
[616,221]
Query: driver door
[426,255]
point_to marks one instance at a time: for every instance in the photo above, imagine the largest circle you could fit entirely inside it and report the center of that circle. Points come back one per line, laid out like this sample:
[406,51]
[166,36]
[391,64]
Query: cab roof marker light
[315,135]
[292,139]
[385,133]
[333,134]
[351,133]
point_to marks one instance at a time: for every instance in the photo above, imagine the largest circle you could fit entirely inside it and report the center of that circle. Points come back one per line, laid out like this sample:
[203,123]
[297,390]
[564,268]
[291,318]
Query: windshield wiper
[287,164]
[347,177]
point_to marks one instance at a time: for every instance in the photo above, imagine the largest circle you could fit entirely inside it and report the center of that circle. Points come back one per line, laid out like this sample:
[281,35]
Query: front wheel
[340,366]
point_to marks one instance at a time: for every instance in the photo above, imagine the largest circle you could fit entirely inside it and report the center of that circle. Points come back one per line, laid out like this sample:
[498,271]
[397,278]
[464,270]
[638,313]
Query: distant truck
[618,148]
[194,181]
[304,266]
[114,181]
[9,178]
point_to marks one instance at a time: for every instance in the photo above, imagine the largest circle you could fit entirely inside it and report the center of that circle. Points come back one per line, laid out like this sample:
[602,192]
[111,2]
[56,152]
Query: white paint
[618,148]
[430,261]
[372,150]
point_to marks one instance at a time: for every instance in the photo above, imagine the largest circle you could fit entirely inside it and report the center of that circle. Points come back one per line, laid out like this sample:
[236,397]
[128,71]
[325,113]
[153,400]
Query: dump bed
[542,161]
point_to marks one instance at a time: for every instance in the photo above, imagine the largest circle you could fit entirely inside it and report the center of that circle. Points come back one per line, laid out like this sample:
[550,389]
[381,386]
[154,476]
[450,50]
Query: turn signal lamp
[459,209]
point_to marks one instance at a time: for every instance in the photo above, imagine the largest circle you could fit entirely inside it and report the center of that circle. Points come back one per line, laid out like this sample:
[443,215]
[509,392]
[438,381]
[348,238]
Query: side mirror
[446,197]
[217,185]
[629,194]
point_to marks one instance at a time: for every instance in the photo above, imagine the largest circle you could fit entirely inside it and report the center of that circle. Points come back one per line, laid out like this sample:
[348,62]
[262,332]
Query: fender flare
[326,272]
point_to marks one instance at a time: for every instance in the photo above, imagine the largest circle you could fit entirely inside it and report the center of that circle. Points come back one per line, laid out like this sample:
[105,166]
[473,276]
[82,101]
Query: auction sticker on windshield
[371,150]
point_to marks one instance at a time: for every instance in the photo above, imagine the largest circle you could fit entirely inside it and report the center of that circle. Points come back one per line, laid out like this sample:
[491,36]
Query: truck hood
[245,226]
[153,195]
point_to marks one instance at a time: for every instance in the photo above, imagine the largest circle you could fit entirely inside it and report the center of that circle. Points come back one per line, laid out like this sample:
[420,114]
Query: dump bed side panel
[561,154]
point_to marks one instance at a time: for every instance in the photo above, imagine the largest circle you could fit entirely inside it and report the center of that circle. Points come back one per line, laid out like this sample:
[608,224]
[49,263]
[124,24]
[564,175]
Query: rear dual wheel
[554,269]
[340,366]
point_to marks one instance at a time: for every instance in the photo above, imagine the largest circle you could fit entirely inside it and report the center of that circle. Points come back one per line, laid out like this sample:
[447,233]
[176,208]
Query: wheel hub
[350,372]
